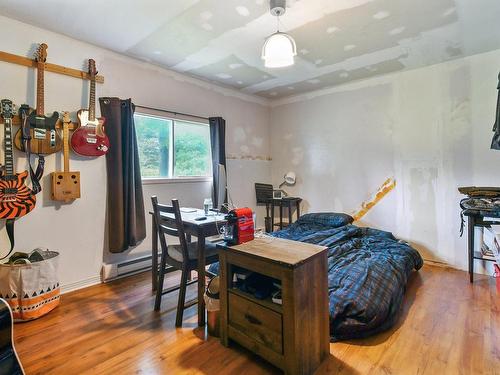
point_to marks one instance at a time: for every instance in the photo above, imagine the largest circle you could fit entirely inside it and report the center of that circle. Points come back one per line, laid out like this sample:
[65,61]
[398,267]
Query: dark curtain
[495,142]
[218,145]
[126,224]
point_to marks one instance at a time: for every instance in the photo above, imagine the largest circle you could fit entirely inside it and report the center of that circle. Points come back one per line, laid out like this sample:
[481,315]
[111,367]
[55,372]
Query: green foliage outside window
[190,143]
[192,149]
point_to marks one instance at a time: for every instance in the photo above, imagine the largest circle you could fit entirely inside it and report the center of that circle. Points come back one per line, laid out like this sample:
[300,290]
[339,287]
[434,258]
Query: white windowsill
[174,180]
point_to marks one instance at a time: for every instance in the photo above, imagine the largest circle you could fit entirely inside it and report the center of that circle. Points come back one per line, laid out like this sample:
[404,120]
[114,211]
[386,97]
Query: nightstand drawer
[259,323]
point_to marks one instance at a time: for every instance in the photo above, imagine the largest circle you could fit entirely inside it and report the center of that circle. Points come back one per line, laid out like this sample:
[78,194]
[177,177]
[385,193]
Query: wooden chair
[182,256]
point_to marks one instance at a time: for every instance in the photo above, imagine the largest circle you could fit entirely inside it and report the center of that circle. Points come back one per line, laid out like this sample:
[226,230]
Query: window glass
[153,140]
[192,149]
[172,148]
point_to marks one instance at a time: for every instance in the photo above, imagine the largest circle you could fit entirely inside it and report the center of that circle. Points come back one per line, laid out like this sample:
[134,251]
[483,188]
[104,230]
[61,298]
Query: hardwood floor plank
[447,326]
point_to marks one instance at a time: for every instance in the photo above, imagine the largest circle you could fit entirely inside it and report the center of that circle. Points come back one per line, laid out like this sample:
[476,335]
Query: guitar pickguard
[45,139]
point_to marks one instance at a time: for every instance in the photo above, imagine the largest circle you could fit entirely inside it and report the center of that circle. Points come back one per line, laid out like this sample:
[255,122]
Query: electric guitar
[90,139]
[45,139]
[16,199]
[9,361]
[65,185]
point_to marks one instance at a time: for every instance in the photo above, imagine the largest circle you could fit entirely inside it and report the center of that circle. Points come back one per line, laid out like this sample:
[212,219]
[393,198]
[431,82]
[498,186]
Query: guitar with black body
[45,139]
[9,361]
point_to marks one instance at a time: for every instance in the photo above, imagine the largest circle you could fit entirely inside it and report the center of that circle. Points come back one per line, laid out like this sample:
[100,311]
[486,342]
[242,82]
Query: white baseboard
[94,280]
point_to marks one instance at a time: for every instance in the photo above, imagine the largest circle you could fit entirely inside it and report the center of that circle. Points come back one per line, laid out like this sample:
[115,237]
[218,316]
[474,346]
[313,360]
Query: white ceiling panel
[113,24]
[220,40]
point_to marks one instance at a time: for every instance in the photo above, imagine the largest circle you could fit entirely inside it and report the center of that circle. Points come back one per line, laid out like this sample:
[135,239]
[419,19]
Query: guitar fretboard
[92,100]
[9,159]
[40,111]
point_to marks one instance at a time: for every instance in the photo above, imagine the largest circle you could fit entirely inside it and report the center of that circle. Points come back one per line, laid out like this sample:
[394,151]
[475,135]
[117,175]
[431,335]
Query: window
[171,148]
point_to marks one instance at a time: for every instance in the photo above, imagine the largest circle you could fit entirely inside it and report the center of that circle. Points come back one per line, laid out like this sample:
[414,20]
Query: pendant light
[279,48]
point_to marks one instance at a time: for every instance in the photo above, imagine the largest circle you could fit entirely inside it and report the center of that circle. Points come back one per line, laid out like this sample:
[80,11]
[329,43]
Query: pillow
[330,219]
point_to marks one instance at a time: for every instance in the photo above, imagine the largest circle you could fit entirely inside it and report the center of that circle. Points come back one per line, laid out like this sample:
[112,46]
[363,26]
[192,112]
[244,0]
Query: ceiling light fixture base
[278,7]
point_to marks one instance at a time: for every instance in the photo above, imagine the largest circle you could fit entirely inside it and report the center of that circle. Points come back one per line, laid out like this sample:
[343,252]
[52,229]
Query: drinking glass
[207,205]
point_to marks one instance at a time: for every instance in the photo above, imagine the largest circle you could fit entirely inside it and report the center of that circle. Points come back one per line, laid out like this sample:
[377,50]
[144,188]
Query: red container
[241,219]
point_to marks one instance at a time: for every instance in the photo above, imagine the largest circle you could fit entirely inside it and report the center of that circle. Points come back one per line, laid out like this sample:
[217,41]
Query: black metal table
[287,202]
[475,219]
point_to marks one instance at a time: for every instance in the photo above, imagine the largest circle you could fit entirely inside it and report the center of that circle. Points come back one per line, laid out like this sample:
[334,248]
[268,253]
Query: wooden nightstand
[293,336]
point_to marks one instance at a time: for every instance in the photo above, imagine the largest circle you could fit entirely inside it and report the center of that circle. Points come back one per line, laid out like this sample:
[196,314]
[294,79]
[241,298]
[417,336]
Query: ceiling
[220,41]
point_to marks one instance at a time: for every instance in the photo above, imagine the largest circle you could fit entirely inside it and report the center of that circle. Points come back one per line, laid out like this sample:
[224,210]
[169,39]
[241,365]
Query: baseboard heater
[113,271]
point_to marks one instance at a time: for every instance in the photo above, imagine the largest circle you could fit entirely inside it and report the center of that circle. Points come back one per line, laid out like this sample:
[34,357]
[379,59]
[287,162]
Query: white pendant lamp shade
[279,50]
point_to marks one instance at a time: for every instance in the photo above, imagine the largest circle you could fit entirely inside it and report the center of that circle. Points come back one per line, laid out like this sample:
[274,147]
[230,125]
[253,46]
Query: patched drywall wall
[76,230]
[429,128]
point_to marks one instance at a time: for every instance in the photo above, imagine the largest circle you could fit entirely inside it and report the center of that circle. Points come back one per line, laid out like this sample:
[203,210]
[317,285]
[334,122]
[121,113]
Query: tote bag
[31,290]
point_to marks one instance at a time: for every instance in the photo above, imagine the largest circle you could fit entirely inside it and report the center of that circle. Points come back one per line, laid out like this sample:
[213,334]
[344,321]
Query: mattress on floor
[368,270]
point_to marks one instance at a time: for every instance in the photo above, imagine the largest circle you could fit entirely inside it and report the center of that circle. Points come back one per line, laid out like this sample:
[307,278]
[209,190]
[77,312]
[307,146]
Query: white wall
[430,128]
[77,229]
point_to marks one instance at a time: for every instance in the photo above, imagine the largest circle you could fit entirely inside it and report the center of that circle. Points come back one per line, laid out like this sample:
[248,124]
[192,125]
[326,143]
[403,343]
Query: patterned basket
[31,290]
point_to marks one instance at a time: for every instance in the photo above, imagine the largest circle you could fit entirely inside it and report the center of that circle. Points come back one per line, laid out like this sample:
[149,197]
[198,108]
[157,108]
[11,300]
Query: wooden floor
[447,327]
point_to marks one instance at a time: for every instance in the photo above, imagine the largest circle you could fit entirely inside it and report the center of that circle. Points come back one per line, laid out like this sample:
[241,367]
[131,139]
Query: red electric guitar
[90,139]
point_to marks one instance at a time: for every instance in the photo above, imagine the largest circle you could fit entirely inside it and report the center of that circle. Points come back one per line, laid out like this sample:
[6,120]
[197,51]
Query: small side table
[287,202]
[293,336]
[475,219]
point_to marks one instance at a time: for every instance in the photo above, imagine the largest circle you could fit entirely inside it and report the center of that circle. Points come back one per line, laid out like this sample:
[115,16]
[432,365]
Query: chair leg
[182,298]
[161,278]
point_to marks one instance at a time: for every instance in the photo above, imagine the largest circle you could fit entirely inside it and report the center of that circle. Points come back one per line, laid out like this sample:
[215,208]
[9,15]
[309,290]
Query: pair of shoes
[25,258]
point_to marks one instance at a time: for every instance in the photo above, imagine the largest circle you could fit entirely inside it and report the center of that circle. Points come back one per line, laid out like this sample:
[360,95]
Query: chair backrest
[263,193]
[172,227]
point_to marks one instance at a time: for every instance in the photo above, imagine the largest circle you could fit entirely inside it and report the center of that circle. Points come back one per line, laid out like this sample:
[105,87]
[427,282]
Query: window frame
[173,117]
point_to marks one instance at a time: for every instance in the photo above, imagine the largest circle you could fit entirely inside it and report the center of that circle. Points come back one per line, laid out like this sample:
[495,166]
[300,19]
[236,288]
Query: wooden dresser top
[285,252]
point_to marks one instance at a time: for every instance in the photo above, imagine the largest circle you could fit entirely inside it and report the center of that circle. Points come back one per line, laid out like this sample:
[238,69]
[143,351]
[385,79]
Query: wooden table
[294,336]
[475,219]
[199,229]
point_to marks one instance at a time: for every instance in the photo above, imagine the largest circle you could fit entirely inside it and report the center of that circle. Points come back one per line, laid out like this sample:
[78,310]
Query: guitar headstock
[92,69]
[66,118]
[7,109]
[41,53]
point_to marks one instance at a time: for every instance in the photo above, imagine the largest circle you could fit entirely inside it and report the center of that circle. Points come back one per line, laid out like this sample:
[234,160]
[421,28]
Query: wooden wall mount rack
[54,68]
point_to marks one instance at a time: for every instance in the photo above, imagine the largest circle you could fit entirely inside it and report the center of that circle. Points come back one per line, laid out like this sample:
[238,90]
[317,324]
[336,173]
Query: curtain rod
[166,110]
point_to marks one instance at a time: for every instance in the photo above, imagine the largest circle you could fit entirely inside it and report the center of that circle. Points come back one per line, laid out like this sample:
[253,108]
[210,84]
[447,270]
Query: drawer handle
[253,319]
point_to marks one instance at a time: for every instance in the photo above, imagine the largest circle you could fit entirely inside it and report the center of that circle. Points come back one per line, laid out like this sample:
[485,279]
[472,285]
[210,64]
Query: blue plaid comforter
[367,272]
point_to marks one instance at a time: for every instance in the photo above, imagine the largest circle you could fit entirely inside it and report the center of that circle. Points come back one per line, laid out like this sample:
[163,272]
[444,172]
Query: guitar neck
[9,159]
[40,104]
[66,146]
[92,100]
